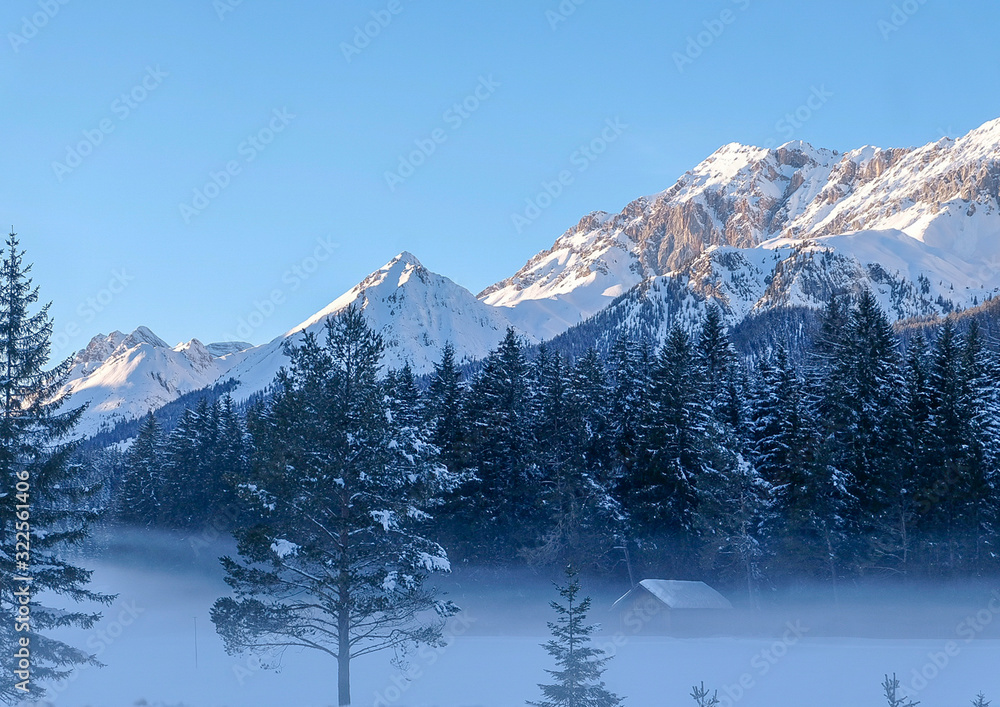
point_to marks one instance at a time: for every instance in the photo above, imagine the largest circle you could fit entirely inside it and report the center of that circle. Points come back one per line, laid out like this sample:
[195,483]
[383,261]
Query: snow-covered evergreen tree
[579,514]
[45,508]
[580,666]
[338,562]
[446,408]
[661,493]
[140,501]
[505,514]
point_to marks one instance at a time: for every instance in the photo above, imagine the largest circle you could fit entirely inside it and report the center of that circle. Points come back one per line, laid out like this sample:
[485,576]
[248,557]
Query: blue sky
[116,113]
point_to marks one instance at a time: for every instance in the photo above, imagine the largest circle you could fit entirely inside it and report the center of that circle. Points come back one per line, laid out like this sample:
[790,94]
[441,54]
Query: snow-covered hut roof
[676,594]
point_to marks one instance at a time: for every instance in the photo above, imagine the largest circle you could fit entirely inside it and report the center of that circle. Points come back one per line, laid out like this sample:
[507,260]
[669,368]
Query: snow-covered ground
[787,656]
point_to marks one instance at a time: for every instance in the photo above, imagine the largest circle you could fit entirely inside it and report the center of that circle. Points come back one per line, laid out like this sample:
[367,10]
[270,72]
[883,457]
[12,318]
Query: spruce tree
[579,516]
[338,561]
[702,697]
[505,515]
[46,509]
[140,499]
[717,356]
[446,408]
[580,666]
[861,408]
[890,688]
[983,406]
[629,373]
[953,457]
[661,494]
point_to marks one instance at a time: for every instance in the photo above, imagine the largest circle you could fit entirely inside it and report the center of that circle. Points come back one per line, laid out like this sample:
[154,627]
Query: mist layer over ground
[160,647]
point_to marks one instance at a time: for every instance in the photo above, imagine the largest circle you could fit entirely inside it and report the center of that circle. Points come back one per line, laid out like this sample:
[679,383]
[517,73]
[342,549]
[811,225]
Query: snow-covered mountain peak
[377,286]
[196,352]
[143,335]
[99,349]
[102,347]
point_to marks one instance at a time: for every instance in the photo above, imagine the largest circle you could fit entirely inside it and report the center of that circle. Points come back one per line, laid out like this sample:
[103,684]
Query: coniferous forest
[859,458]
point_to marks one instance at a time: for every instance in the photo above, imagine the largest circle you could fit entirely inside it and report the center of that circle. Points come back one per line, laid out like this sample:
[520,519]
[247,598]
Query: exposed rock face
[946,194]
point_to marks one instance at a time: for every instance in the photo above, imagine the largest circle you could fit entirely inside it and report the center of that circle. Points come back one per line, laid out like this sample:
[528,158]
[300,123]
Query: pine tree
[981,394]
[184,463]
[230,463]
[505,515]
[701,696]
[446,403]
[661,494]
[140,499]
[861,407]
[720,372]
[337,562]
[733,499]
[580,666]
[579,515]
[890,688]
[919,436]
[445,407]
[952,455]
[44,502]
[630,366]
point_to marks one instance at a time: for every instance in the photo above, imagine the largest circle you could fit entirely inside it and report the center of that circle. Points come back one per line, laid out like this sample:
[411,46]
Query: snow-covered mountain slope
[122,377]
[944,197]
[787,273]
[416,311]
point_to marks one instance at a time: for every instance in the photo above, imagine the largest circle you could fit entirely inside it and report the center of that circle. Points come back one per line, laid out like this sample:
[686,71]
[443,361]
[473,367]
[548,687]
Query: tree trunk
[344,657]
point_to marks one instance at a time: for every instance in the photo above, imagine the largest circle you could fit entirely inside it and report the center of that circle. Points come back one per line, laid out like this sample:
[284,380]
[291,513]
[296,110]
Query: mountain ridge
[752,229]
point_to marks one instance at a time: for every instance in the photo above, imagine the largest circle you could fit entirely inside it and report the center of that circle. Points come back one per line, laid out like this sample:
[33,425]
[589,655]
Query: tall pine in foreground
[577,679]
[37,471]
[343,482]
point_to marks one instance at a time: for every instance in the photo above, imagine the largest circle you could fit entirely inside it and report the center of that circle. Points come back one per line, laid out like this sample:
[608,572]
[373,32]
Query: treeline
[864,460]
